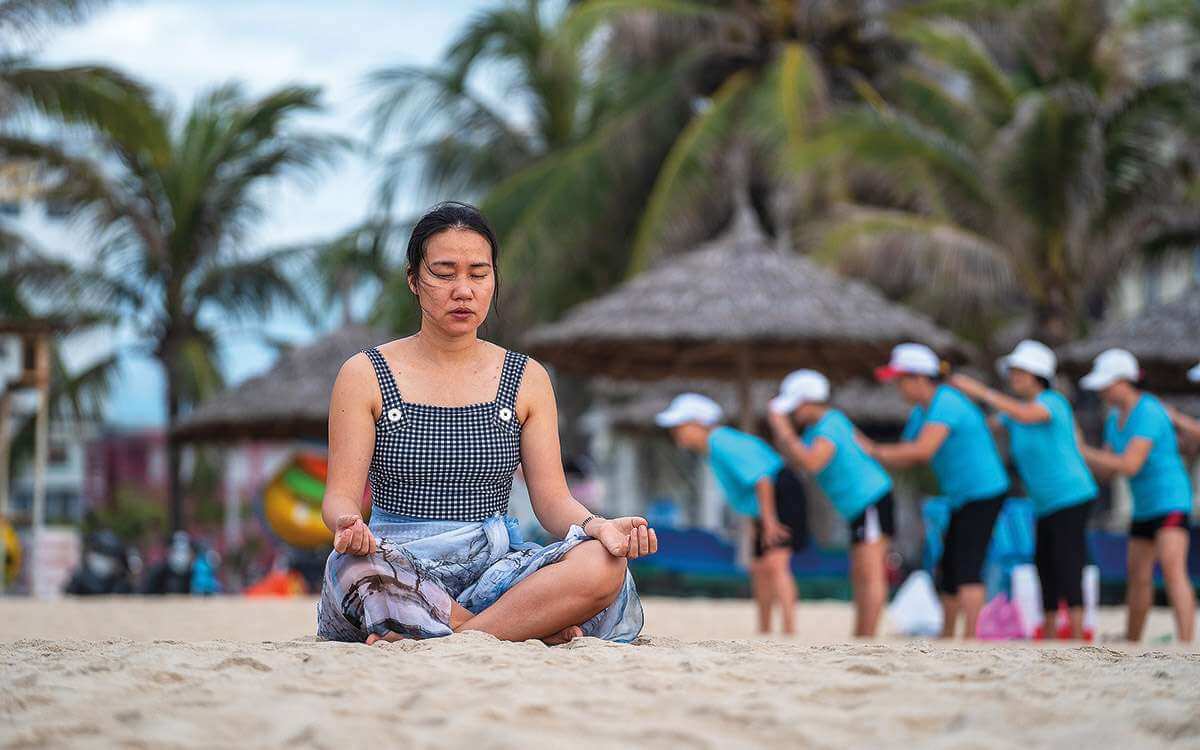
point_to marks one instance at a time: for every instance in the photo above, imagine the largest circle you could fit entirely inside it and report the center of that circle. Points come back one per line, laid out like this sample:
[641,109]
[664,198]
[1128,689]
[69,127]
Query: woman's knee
[605,572]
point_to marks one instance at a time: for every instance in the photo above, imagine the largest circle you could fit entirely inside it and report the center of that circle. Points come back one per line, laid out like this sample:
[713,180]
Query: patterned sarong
[407,586]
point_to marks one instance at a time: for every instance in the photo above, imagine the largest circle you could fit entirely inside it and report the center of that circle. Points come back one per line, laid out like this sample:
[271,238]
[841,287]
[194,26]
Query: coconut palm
[1030,150]
[88,95]
[38,104]
[171,205]
[613,123]
[560,158]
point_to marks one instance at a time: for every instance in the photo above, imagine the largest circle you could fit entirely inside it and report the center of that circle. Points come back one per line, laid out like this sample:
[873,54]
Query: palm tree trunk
[175,517]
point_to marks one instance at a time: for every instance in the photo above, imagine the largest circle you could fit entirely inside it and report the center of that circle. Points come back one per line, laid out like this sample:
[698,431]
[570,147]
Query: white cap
[910,359]
[689,407]
[1033,357]
[1112,365]
[1194,374]
[800,387]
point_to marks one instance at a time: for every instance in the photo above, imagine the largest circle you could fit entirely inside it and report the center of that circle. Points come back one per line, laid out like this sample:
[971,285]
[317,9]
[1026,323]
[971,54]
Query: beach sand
[231,672]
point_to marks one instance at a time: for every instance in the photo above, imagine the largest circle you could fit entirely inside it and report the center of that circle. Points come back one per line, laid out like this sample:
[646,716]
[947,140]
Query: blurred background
[204,207]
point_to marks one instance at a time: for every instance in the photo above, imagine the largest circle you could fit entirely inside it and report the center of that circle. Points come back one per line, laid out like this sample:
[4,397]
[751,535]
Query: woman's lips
[461,314]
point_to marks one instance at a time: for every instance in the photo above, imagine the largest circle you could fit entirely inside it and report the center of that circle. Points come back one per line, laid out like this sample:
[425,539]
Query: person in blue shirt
[949,432]
[1139,443]
[856,485]
[758,486]
[1044,444]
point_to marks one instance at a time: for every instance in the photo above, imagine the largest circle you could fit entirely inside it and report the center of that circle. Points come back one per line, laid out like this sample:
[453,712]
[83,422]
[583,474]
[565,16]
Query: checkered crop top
[446,462]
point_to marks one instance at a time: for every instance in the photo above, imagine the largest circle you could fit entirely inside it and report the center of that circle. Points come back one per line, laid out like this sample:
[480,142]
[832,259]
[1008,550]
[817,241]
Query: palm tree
[38,104]
[559,159]
[79,95]
[171,204]
[1032,149]
[617,115]
[336,273]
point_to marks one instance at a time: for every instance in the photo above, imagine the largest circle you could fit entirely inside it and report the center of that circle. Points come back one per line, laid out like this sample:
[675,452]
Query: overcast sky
[183,47]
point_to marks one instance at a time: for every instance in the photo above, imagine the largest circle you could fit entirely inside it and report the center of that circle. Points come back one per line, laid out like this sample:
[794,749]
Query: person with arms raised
[1139,443]
[856,485]
[1044,443]
[949,432]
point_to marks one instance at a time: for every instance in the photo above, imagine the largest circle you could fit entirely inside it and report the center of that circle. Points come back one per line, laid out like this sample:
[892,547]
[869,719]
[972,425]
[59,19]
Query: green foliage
[1055,148]
[132,517]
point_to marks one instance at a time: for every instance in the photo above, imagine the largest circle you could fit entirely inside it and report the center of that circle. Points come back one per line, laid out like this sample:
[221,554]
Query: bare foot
[372,639]
[566,635]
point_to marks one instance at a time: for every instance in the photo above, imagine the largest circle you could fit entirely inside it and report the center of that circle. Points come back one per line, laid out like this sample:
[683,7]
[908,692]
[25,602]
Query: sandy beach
[228,672]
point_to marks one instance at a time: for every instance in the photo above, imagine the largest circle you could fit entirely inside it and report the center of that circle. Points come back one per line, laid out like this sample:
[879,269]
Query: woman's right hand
[353,537]
[774,532]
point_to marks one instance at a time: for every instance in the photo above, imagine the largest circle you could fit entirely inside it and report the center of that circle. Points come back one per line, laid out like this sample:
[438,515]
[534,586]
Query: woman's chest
[473,442]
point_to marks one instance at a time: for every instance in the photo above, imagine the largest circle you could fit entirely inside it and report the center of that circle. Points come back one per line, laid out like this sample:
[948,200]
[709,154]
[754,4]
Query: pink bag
[999,620]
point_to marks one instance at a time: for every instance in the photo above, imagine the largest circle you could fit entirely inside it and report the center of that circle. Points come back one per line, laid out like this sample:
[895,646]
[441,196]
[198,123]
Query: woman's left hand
[630,536]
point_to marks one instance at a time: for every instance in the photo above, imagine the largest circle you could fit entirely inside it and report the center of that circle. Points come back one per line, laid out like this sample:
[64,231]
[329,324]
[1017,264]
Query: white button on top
[393,414]
[506,414]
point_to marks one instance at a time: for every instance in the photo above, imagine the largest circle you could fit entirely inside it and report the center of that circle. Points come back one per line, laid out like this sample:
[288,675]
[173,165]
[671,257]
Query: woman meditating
[438,423]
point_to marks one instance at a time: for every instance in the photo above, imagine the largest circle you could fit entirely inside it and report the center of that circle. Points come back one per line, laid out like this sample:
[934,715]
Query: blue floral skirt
[422,565]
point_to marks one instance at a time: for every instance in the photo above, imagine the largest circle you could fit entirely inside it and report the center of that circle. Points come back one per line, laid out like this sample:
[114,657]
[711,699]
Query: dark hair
[451,215]
[1045,382]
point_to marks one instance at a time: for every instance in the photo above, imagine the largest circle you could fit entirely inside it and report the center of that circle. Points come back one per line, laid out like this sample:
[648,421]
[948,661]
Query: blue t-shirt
[1048,458]
[967,465]
[1162,486]
[852,480]
[739,461]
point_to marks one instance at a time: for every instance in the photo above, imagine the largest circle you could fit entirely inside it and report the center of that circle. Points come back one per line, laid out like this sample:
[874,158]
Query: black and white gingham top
[446,462]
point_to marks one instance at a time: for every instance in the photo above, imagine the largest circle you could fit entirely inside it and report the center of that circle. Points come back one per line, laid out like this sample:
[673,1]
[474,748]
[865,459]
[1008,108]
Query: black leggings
[1060,555]
[966,544]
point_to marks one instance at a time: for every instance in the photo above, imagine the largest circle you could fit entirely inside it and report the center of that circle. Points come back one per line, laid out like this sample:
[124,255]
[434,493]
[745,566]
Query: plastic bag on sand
[915,609]
[1027,597]
[1091,600]
[999,621]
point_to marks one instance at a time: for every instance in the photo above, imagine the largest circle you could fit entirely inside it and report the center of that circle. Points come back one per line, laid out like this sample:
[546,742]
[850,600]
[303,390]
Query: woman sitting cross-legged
[438,423]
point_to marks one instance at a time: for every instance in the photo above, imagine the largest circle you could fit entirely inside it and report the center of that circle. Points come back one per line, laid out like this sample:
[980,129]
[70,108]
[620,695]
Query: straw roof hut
[289,401]
[735,309]
[1164,338]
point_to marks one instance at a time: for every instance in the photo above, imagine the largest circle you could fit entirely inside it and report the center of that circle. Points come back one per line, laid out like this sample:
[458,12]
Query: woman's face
[912,388]
[456,285]
[807,414]
[1022,383]
[690,436]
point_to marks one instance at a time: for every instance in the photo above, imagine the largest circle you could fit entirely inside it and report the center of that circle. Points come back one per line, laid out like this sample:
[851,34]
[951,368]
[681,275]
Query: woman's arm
[813,459]
[1188,426]
[351,443]
[1025,412]
[768,512]
[1106,462]
[541,459]
[913,452]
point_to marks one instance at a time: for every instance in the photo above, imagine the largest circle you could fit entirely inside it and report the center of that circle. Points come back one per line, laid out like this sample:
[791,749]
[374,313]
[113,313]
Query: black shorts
[1148,529]
[791,505]
[1060,555]
[966,543]
[876,521]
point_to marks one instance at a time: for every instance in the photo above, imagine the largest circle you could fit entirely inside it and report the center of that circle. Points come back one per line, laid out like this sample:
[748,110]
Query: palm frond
[952,44]
[102,98]
[29,16]
[248,288]
[686,162]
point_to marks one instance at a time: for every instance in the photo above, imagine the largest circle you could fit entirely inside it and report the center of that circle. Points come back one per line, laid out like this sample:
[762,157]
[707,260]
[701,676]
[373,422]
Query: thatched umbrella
[288,401]
[734,309]
[1165,338]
